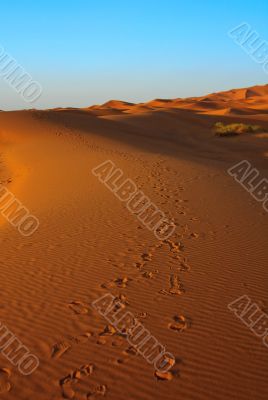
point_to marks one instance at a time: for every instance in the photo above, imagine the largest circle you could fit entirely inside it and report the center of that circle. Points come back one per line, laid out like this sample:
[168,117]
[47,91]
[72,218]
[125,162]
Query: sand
[89,244]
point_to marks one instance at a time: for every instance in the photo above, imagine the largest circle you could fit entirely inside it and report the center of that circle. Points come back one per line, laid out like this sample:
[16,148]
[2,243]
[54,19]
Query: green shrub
[220,129]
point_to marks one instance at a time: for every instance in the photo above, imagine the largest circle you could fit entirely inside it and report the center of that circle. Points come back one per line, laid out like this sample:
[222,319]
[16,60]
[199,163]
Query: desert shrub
[221,129]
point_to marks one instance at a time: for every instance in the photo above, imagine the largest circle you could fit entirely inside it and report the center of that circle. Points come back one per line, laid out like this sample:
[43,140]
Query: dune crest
[247,98]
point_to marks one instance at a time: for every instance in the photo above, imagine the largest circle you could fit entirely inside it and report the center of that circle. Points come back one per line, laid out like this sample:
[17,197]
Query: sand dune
[89,244]
[249,99]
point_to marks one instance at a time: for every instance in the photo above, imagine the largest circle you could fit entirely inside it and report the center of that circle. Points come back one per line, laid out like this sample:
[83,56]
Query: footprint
[180,323]
[163,376]
[62,347]
[84,370]
[71,379]
[109,330]
[184,266]
[142,315]
[78,307]
[118,342]
[67,390]
[98,390]
[122,298]
[119,282]
[194,235]
[175,247]
[59,349]
[5,385]
[83,338]
[147,256]
[148,274]
[176,286]
[131,351]
[101,340]
[166,376]
[139,265]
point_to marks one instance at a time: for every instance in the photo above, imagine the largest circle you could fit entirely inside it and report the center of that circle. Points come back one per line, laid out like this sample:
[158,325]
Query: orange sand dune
[89,244]
[251,99]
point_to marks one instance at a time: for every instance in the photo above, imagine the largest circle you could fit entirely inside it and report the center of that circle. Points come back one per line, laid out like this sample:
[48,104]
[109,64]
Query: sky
[88,52]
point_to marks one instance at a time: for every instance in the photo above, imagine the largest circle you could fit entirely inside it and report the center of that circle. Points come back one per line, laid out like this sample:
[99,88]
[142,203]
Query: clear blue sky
[87,52]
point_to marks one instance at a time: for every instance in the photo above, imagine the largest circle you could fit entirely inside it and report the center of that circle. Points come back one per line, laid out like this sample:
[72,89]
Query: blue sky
[87,52]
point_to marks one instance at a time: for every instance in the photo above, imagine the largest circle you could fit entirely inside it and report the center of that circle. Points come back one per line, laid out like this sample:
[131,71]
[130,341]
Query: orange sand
[87,239]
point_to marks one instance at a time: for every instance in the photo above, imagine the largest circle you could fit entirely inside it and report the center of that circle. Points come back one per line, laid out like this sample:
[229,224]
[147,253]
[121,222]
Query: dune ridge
[250,99]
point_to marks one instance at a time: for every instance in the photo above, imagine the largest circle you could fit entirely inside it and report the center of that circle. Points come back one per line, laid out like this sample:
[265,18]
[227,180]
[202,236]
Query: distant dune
[250,99]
